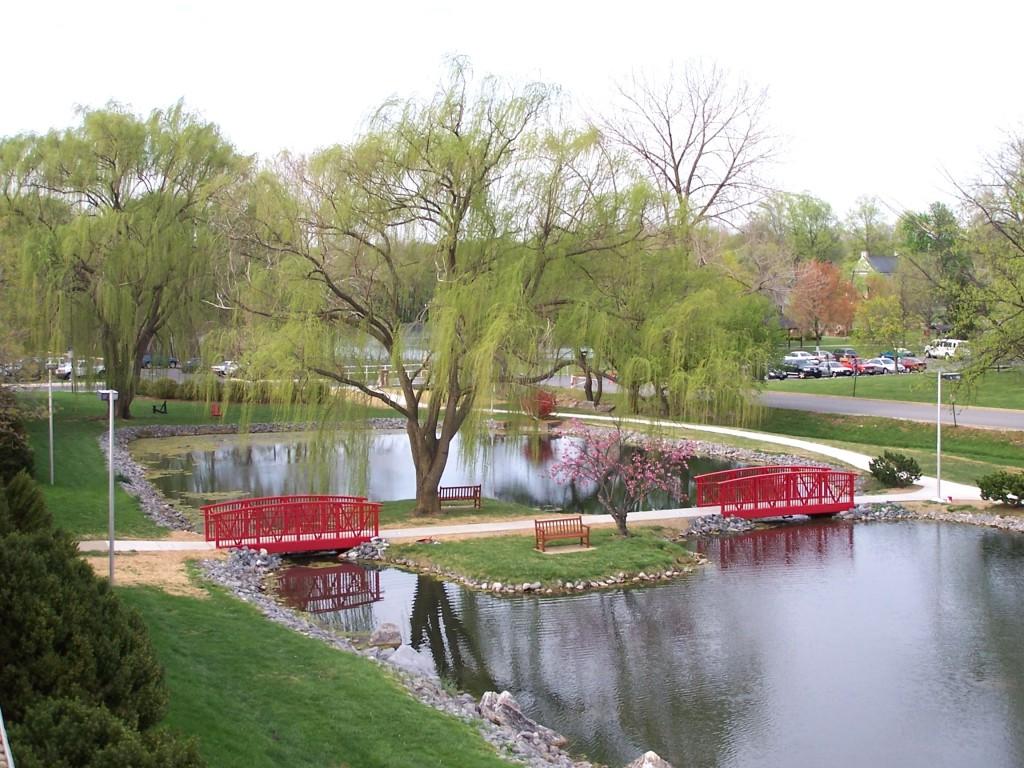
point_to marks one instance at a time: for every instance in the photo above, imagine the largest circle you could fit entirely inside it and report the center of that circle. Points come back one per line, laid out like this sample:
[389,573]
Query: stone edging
[896,511]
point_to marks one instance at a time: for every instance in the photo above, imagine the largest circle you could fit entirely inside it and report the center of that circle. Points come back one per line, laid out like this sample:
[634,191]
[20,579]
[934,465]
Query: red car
[868,368]
[913,363]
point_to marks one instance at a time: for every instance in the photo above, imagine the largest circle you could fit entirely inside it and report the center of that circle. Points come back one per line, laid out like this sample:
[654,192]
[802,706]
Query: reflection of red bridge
[782,545]
[292,523]
[327,590]
[773,491]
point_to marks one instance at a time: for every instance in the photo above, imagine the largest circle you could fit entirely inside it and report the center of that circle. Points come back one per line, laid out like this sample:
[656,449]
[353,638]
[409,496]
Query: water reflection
[436,626]
[782,545]
[814,644]
[509,468]
[339,595]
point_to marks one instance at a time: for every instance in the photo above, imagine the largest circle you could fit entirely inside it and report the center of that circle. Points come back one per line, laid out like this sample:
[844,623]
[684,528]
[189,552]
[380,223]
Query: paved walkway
[927,491]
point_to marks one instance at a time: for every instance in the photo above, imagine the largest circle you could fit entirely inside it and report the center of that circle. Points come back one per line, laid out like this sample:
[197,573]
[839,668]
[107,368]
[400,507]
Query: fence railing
[292,523]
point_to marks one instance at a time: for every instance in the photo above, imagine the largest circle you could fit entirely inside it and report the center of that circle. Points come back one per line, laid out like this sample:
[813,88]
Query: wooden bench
[561,528]
[160,408]
[455,495]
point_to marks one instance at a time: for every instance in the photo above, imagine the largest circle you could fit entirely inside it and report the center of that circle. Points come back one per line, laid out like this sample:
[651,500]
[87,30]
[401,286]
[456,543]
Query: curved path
[928,491]
[966,416]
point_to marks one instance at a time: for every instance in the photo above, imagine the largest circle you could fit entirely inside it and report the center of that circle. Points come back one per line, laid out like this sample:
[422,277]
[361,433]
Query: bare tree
[699,136]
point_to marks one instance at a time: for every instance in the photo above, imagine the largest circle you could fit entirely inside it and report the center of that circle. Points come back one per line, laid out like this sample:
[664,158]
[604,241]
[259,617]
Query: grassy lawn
[78,499]
[993,390]
[514,559]
[966,453]
[398,513]
[256,694]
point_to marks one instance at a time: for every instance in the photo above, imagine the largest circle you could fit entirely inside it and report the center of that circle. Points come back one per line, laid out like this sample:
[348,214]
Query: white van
[943,348]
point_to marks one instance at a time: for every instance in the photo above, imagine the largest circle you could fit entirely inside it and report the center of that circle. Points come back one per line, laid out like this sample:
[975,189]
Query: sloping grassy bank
[258,695]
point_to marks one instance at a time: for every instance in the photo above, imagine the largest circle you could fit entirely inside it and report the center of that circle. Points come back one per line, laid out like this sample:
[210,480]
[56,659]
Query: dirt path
[164,570]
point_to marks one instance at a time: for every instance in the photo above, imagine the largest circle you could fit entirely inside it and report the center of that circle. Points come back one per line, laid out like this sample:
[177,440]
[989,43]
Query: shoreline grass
[513,560]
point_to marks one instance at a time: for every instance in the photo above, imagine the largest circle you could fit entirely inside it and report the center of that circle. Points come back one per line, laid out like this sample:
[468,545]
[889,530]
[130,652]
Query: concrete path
[927,491]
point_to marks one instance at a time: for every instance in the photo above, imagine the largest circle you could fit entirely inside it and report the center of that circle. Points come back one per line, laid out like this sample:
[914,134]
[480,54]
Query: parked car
[226,368]
[899,352]
[192,365]
[833,368]
[870,367]
[844,354]
[800,354]
[889,365]
[914,363]
[944,348]
[775,372]
[802,368]
[83,369]
[159,361]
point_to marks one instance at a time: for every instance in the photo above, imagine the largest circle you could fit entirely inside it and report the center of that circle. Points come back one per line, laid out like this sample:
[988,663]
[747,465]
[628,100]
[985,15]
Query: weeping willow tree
[115,246]
[427,245]
[679,339]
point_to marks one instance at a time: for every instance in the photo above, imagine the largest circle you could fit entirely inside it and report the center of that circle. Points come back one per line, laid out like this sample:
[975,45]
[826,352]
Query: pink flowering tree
[624,466]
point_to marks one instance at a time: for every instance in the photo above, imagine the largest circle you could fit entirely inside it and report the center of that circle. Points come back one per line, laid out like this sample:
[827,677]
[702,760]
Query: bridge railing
[708,484]
[292,523]
[804,491]
[234,505]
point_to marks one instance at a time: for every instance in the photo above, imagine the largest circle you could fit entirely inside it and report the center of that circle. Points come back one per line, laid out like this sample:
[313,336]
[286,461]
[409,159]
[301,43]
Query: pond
[198,470]
[808,645]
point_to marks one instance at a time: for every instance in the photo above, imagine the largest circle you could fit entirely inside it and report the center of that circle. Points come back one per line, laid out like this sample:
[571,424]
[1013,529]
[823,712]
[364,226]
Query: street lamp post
[110,396]
[938,428]
[49,405]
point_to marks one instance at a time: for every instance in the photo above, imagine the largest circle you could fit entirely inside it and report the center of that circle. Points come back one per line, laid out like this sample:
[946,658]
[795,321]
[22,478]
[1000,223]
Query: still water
[508,468]
[816,644]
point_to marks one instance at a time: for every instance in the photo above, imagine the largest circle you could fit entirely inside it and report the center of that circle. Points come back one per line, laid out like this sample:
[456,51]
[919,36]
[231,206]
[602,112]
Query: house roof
[883,265]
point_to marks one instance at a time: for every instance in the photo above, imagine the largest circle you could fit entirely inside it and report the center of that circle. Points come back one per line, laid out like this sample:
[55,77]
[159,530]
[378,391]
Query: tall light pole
[938,429]
[110,396]
[938,436]
[49,402]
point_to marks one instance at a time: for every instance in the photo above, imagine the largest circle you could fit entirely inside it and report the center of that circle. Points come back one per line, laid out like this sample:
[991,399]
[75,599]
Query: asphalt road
[967,416]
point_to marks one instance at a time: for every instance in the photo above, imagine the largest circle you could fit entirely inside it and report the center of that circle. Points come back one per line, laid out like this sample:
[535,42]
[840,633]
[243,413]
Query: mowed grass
[993,390]
[967,453]
[513,559]
[257,695]
[78,499]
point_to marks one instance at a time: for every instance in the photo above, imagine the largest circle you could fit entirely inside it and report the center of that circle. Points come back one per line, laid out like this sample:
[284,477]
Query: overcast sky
[879,98]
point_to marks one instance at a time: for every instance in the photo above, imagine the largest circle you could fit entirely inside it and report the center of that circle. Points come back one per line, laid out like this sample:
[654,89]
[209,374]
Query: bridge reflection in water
[341,595]
[781,545]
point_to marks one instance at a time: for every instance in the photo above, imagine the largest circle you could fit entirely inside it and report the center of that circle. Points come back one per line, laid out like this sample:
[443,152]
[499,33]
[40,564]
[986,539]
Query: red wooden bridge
[292,523]
[328,590]
[775,491]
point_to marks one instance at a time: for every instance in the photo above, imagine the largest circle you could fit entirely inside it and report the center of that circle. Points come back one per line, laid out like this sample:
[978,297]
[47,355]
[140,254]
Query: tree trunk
[430,452]
[634,398]
[620,521]
[600,390]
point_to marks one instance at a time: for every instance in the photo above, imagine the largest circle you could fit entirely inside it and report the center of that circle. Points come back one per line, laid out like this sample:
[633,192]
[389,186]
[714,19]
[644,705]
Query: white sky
[880,98]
